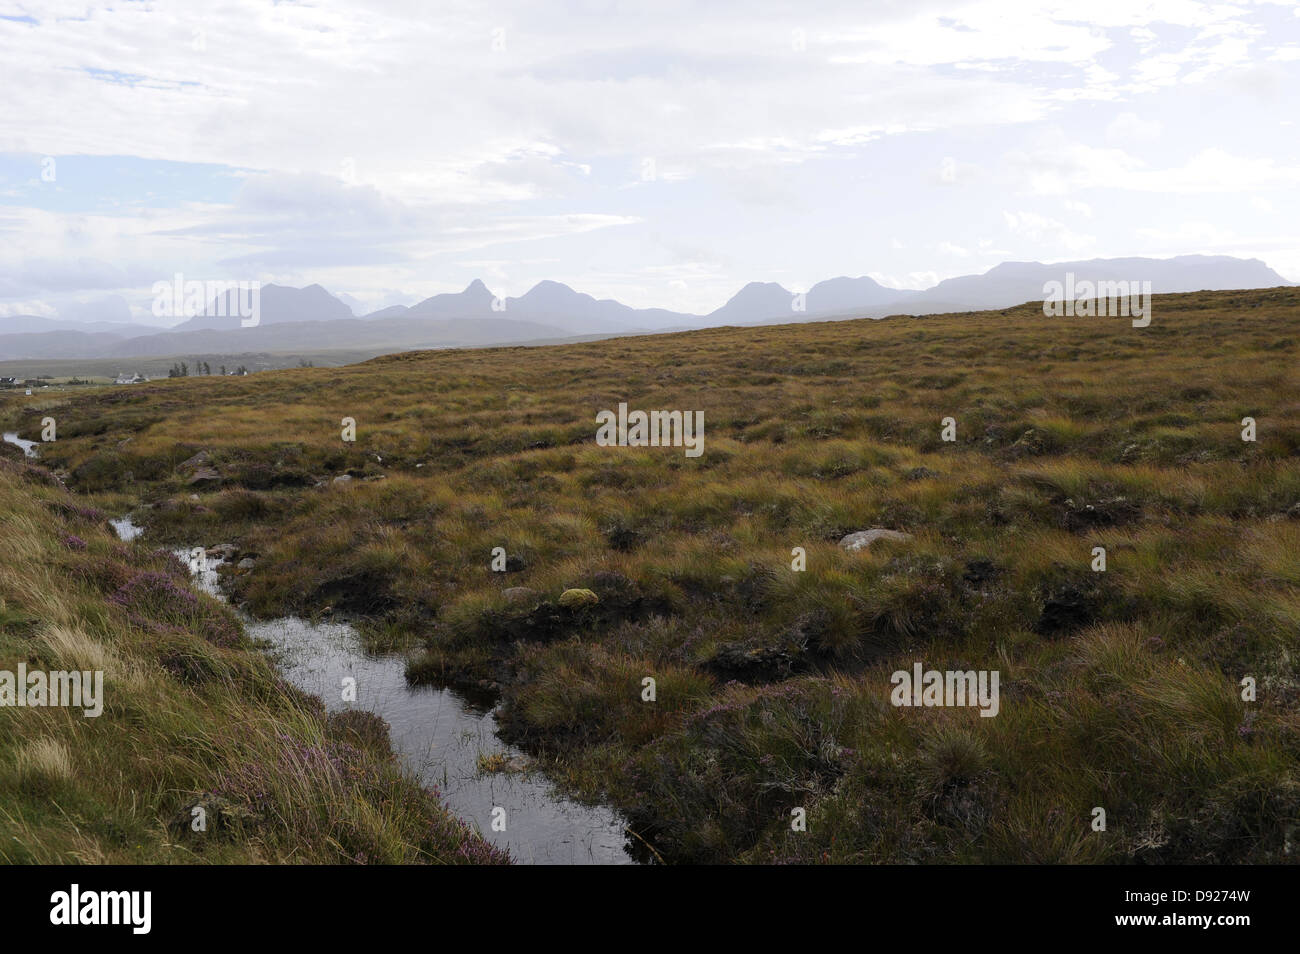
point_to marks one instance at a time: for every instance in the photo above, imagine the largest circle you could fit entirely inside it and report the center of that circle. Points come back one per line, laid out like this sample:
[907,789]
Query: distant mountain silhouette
[767,301]
[474,301]
[301,319]
[1013,283]
[547,302]
[843,294]
[555,303]
[280,304]
[757,301]
[35,324]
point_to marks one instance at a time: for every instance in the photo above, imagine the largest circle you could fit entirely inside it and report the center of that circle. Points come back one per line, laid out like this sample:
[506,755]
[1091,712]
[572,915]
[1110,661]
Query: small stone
[520,594]
[863,539]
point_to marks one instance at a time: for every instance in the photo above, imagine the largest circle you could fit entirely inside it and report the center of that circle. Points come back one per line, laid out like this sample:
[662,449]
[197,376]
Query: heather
[197,728]
[1121,689]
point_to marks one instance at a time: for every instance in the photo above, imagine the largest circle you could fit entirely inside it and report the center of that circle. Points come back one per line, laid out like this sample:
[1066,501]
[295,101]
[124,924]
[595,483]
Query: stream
[29,447]
[439,736]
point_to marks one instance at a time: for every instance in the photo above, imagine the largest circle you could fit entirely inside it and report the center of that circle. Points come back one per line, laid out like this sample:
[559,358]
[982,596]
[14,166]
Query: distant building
[130,379]
[8,382]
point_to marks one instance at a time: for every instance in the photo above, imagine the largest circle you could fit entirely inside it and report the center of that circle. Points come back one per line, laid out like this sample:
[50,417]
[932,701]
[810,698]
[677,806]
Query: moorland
[720,577]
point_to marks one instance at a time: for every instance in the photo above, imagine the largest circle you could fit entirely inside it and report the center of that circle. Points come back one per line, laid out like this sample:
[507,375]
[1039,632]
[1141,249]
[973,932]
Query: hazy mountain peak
[550,290]
[755,302]
[553,309]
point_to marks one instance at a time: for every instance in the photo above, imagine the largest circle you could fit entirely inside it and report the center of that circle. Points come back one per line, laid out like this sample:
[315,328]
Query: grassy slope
[193,715]
[1119,689]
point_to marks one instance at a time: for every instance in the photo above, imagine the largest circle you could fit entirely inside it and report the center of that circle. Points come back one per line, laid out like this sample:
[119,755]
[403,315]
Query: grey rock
[204,476]
[521,594]
[862,539]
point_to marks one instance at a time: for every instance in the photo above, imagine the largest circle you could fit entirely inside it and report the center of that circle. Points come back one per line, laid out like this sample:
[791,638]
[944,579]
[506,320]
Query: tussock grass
[190,718]
[1120,690]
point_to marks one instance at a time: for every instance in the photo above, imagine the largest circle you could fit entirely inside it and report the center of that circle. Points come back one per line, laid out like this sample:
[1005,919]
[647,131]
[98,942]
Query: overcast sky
[660,153]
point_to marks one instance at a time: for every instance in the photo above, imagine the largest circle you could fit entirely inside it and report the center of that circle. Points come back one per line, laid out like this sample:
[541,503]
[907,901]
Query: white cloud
[384,148]
[1128,128]
[1047,232]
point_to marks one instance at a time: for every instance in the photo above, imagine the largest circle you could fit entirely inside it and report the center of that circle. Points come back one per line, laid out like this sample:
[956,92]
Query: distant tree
[223,370]
[185,370]
[207,368]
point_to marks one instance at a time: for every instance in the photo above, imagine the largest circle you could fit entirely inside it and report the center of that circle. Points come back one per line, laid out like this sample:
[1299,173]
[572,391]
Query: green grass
[1120,689]
[193,717]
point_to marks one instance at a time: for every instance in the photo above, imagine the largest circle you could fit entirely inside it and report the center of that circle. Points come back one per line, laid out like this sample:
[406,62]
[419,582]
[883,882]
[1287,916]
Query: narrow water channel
[440,737]
[29,447]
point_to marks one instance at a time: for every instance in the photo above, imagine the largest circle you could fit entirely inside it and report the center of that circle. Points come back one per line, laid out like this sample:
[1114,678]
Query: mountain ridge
[312,317]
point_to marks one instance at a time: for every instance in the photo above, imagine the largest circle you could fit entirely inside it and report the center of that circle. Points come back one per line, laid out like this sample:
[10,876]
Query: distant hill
[766,301]
[35,324]
[58,344]
[1012,283]
[474,302]
[555,303]
[279,305]
[546,302]
[757,301]
[386,334]
[311,319]
[842,294]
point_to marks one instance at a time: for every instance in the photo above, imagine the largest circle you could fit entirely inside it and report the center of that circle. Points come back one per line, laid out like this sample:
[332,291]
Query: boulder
[863,539]
[204,477]
[200,470]
[520,595]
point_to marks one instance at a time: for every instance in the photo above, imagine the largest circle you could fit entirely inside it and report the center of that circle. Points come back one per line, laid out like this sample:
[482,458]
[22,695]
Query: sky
[661,153]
